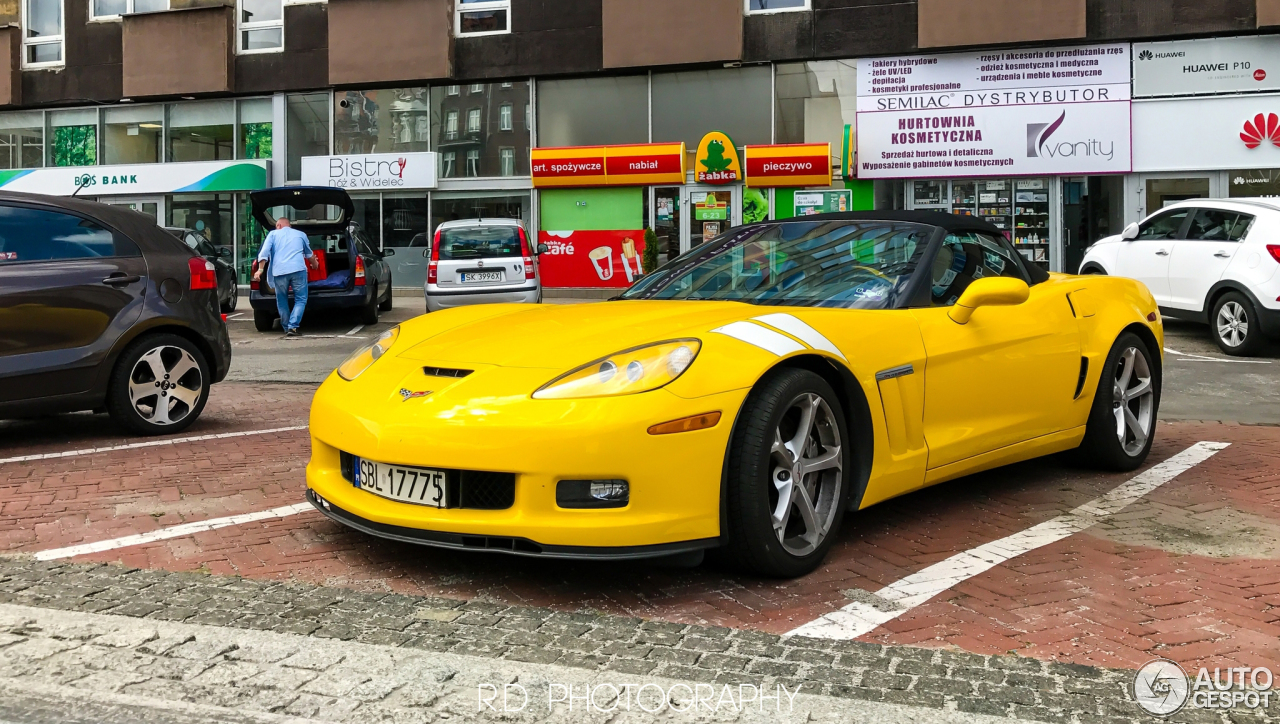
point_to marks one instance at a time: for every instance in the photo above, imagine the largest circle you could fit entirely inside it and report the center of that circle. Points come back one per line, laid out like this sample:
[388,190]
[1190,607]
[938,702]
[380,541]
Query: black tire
[752,493]
[1102,446]
[369,312]
[263,321]
[229,306]
[387,303]
[168,406]
[1233,323]
[1092,270]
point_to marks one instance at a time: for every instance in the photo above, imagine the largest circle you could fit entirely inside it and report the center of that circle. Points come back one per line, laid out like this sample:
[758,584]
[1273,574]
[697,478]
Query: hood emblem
[410,394]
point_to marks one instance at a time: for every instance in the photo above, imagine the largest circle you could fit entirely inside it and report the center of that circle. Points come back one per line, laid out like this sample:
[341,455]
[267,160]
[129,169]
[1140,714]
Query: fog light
[593,493]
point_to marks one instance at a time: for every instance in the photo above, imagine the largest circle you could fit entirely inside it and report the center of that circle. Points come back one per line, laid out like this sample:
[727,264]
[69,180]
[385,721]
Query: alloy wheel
[165,385]
[1133,401]
[806,467]
[1233,324]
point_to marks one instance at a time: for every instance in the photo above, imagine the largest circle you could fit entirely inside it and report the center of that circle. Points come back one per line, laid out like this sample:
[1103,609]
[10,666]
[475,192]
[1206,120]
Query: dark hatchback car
[100,309]
[351,273]
[228,290]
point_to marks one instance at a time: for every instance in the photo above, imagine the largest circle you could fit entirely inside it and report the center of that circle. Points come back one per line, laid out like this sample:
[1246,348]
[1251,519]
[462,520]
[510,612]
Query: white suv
[1215,261]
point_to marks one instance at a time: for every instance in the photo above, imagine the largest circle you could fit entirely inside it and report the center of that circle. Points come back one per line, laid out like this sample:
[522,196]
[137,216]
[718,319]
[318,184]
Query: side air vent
[445,372]
[1084,373]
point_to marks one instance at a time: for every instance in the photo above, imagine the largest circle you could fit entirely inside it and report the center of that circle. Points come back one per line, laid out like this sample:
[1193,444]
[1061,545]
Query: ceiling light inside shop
[132,130]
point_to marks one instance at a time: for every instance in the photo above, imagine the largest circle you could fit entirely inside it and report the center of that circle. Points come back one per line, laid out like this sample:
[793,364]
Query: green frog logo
[715,161]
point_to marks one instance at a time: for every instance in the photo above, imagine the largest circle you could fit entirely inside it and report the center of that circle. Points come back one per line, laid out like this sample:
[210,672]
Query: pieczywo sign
[636,165]
[789,165]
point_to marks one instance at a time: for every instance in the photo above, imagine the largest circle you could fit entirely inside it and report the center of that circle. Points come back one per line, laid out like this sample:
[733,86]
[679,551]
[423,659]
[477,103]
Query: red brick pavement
[1190,572]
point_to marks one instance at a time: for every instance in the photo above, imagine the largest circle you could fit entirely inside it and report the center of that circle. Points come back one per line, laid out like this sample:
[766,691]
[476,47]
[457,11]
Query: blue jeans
[298,280]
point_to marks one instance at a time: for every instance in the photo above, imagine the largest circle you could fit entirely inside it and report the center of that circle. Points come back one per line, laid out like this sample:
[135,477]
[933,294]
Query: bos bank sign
[371,171]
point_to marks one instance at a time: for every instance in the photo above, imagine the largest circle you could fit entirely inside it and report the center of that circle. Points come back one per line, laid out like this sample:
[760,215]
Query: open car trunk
[324,215]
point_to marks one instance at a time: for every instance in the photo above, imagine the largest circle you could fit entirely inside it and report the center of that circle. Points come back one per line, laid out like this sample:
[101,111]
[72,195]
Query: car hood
[554,336]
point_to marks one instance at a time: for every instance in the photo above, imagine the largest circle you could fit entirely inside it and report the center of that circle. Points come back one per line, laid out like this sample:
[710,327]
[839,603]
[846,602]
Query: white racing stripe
[892,601]
[176,531]
[761,337]
[149,443]
[800,330]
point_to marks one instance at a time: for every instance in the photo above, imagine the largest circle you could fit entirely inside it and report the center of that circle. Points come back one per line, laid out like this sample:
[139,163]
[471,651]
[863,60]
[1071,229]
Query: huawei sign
[1260,130]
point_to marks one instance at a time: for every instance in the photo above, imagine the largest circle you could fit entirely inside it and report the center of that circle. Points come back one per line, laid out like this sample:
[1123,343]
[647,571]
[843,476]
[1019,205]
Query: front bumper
[488,422]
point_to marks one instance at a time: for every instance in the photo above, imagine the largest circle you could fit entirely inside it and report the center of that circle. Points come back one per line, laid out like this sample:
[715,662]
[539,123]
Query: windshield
[849,264]
[479,242]
[329,243]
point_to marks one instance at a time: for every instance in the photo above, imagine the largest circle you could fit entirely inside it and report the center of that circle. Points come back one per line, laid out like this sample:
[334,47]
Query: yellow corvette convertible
[742,397]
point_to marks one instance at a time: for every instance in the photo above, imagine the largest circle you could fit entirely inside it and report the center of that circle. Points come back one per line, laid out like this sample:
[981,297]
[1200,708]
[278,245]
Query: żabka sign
[636,165]
[789,165]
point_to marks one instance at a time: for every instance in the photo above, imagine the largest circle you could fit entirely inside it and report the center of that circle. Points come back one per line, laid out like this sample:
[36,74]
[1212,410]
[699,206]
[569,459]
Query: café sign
[633,165]
[372,171]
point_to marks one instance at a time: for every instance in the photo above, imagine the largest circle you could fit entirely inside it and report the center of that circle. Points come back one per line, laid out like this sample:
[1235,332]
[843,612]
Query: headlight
[361,359]
[638,369]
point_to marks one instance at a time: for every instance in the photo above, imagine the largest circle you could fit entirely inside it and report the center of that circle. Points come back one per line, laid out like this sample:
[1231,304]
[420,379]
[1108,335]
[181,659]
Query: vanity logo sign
[1038,145]
[1261,129]
[371,171]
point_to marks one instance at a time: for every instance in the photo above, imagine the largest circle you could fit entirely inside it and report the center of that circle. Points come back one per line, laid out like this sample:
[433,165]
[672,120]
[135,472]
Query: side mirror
[543,248]
[388,252]
[989,292]
[224,251]
[1130,232]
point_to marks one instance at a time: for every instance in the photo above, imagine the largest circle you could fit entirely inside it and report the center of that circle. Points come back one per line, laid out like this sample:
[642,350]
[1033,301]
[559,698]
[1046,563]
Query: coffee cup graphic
[602,259]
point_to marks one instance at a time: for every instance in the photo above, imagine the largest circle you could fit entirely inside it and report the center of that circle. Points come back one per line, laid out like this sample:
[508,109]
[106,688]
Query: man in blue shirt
[288,254]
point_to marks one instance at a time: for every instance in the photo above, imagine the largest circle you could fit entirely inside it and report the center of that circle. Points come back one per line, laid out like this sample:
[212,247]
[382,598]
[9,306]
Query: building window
[528,117]
[469,129]
[73,137]
[737,101]
[473,162]
[451,125]
[473,120]
[507,157]
[482,17]
[476,89]
[306,131]
[42,36]
[757,7]
[21,140]
[261,26]
[506,86]
[255,128]
[454,90]
[201,131]
[449,164]
[505,121]
[131,134]
[111,9]
[593,111]
[389,120]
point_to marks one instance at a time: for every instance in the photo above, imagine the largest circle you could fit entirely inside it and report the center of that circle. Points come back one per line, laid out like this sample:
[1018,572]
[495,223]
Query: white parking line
[355,329]
[863,616]
[173,532]
[149,443]
[233,316]
[1188,357]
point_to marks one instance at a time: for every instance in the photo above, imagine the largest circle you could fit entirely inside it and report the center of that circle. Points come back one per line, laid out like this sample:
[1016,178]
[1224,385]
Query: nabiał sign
[717,160]
[371,171]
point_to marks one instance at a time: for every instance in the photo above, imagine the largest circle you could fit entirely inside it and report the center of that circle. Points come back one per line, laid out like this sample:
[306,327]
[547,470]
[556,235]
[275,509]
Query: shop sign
[789,165]
[635,165]
[134,179]
[808,203]
[717,160]
[1197,67]
[1041,111]
[591,258]
[371,171]
[1207,134]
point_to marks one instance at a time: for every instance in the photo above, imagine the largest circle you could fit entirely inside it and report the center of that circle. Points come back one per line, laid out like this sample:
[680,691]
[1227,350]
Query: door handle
[121,279]
[1162,252]
[1222,255]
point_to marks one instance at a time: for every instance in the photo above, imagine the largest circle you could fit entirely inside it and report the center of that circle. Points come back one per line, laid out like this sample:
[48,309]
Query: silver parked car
[481,261]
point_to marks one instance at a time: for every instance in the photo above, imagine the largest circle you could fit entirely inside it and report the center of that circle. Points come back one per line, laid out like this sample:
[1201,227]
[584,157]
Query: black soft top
[950,222]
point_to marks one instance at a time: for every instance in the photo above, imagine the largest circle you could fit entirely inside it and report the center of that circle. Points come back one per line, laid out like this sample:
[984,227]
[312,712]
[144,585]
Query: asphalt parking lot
[212,538]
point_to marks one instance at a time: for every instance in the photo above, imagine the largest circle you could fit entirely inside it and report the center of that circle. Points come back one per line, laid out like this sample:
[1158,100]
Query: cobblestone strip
[1007,686]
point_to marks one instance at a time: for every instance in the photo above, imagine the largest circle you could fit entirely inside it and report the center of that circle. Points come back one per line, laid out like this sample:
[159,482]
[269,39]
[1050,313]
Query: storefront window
[382,121]
[448,206]
[1263,182]
[201,131]
[1164,191]
[21,140]
[368,216]
[251,237]
[307,133]
[1020,207]
[737,101]
[255,128]
[74,137]
[209,216]
[593,111]
[132,135]
[404,228]
[815,102]
[473,128]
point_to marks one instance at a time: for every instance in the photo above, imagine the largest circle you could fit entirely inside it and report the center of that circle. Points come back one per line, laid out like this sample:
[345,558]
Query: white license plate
[493,276]
[420,486]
